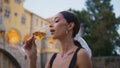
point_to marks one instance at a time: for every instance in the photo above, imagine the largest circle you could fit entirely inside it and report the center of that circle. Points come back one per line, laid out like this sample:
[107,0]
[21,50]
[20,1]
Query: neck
[66,44]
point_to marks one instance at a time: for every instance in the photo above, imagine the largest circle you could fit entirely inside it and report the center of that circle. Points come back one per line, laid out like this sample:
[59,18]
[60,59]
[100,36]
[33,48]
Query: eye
[56,21]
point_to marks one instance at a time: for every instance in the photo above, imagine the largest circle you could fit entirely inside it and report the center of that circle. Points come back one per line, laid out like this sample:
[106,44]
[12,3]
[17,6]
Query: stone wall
[17,54]
[106,62]
[98,62]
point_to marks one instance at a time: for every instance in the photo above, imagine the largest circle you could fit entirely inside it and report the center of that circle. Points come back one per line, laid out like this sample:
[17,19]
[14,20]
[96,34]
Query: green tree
[100,27]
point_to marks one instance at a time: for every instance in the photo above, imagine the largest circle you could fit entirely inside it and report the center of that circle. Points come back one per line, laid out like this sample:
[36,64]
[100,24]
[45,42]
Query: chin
[54,37]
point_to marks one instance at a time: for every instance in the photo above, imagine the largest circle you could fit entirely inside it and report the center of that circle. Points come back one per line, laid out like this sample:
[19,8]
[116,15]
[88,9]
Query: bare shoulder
[83,59]
[82,52]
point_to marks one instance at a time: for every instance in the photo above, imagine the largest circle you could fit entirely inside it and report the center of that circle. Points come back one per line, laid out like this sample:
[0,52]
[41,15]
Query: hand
[30,48]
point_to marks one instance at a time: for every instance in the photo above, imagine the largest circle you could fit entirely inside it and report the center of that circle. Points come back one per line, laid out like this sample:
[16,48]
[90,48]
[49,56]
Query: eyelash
[56,21]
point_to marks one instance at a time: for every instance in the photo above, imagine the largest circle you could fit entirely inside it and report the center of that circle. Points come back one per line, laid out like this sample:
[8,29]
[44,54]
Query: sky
[46,9]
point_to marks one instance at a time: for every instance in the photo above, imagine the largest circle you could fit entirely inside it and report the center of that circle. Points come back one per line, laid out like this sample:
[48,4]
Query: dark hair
[71,17]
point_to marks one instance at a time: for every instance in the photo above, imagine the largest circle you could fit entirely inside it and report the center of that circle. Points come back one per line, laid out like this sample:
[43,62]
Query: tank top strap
[52,59]
[72,63]
[73,60]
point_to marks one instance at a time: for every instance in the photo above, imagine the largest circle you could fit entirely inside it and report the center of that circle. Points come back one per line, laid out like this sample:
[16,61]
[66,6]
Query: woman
[64,28]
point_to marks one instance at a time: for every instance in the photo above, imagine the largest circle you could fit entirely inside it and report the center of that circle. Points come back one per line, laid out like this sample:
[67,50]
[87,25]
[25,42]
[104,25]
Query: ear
[71,26]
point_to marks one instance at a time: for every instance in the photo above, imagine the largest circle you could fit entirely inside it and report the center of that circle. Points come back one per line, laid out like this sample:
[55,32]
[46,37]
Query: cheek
[61,28]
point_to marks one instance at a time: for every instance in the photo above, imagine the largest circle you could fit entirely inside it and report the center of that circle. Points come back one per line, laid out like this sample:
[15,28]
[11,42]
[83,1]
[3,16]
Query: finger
[33,41]
[29,43]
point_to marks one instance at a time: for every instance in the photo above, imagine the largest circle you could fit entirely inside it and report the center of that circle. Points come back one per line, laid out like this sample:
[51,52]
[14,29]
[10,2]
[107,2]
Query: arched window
[1,7]
[17,1]
[16,14]
[23,19]
[7,1]
[12,36]
[7,12]
[25,38]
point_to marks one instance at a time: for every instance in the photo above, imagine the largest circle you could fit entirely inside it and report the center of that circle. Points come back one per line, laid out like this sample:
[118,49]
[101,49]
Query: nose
[51,25]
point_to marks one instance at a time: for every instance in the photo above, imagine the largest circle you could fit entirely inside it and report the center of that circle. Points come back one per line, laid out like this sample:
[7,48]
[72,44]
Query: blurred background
[99,21]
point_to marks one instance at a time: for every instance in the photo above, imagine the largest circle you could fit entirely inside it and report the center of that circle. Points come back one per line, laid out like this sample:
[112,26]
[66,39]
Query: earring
[66,32]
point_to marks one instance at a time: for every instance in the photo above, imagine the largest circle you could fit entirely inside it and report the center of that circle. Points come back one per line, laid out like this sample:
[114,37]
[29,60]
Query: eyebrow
[56,18]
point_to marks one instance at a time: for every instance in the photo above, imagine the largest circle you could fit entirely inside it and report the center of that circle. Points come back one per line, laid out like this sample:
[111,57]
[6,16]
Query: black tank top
[73,60]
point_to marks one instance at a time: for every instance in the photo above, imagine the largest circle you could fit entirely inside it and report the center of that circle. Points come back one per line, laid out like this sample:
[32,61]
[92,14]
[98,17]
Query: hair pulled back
[72,18]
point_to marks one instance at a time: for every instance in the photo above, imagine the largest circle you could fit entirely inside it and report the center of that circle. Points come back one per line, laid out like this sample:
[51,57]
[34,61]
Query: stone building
[16,25]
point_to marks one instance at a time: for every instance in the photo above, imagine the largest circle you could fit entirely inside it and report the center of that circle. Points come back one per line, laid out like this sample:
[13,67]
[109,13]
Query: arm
[30,48]
[83,59]
[32,63]
[32,57]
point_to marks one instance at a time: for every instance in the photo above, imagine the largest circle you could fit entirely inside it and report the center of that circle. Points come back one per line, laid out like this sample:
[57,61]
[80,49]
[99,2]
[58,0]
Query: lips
[52,31]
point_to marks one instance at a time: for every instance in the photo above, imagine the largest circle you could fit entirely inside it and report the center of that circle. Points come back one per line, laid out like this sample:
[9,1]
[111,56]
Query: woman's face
[58,26]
